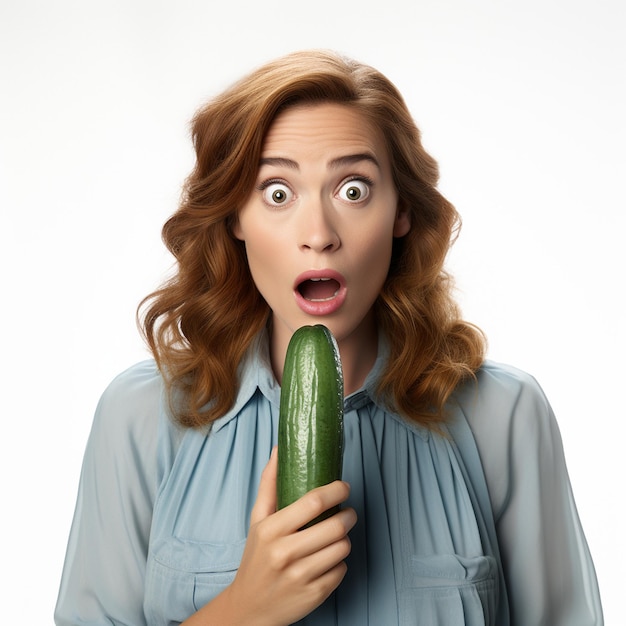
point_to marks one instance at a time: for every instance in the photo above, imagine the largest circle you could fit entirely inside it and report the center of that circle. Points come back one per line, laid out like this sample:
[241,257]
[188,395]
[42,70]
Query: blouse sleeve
[550,575]
[103,575]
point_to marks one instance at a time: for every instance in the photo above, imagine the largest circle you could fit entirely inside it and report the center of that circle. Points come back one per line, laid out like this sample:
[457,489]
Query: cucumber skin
[310,426]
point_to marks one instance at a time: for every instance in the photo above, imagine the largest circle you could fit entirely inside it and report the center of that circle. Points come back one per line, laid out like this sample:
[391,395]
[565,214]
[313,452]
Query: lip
[323,307]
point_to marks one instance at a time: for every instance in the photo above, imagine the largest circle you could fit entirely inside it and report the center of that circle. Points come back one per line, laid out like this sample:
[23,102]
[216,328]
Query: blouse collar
[255,373]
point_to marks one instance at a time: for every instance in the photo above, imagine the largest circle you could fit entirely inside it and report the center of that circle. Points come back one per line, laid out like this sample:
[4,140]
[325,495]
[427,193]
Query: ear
[402,225]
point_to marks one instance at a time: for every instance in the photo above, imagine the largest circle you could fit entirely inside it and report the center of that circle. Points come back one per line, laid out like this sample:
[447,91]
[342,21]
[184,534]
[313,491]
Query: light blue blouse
[162,512]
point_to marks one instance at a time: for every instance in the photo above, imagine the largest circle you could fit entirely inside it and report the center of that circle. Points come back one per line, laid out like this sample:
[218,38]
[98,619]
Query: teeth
[316,280]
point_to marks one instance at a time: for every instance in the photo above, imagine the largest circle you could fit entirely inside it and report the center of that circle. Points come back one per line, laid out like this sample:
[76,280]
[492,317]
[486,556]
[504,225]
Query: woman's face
[319,225]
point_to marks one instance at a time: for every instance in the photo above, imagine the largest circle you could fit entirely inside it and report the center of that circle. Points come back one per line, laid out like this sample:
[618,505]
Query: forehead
[323,127]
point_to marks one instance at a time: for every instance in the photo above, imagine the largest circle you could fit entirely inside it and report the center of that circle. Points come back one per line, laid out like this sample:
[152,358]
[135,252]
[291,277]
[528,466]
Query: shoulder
[510,418]
[139,388]
[140,380]
[130,406]
[498,381]
[499,393]
[132,429]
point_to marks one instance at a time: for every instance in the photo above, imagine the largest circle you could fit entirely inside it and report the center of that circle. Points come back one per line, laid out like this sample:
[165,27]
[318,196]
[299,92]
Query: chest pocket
[448,589]
[182,576]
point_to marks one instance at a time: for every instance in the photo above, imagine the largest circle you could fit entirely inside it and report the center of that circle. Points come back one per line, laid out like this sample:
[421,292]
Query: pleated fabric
[162,512]
[417,552]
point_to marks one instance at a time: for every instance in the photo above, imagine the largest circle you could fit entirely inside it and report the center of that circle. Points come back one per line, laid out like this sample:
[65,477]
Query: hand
[285,573]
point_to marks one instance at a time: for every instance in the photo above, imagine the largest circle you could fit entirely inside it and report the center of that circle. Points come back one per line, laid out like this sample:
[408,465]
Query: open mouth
[319,289]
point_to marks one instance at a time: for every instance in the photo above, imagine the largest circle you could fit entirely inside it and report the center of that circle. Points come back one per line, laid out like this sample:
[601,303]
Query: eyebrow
[279,162]
[349,159]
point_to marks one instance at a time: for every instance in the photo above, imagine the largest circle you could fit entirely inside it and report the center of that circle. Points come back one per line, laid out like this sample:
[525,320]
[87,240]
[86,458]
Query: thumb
[266,498]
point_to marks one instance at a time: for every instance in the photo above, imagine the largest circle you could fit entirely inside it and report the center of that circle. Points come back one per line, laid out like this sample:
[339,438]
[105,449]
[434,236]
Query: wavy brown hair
[201,322]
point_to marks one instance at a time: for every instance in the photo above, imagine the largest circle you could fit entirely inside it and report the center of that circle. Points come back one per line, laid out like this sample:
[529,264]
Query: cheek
[266,259]
[375,250]
[256,236]
[260,260]
[372,267]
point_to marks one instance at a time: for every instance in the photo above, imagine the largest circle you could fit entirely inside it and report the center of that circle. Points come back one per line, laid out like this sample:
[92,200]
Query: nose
[318,231]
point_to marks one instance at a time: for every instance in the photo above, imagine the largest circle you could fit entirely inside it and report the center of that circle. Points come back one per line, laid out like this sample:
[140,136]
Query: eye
[276,193]
[355,190]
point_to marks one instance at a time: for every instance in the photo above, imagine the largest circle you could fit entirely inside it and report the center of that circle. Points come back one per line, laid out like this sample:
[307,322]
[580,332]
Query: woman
[313,201]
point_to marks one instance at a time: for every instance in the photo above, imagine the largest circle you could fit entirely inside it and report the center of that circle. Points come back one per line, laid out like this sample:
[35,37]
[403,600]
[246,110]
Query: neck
[358,352]
[357,359]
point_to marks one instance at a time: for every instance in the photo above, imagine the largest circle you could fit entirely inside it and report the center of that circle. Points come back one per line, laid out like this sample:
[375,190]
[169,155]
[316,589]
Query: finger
[265,503]
[317,564]
[316,538]
[314,503]
[330,580]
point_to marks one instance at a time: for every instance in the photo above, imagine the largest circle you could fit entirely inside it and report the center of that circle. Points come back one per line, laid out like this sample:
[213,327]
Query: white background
[522,103]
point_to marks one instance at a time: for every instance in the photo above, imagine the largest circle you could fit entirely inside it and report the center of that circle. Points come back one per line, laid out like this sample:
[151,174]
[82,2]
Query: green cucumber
[310,426]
